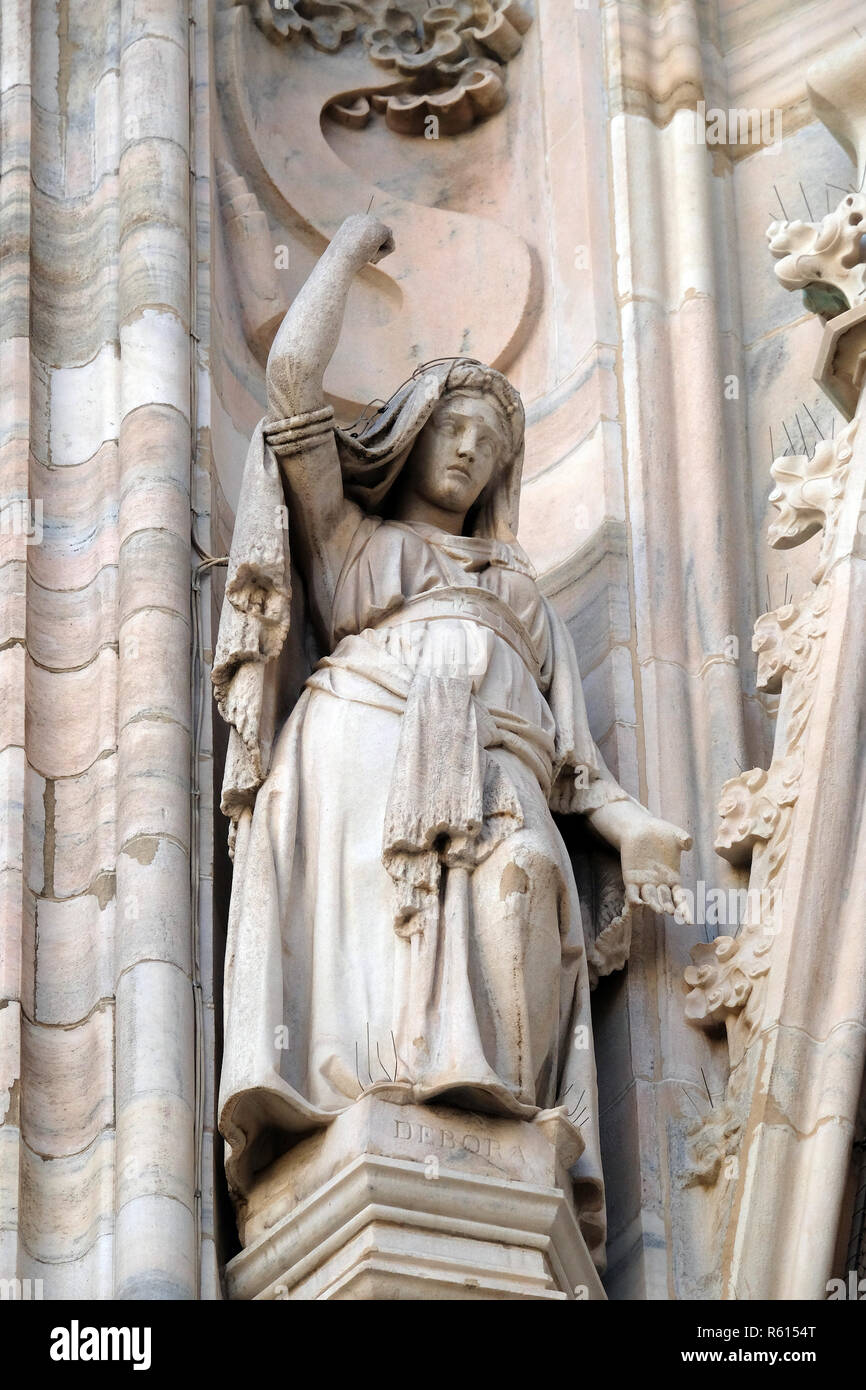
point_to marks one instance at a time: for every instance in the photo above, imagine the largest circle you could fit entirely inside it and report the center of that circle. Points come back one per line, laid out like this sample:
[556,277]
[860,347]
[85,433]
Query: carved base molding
[408,1202]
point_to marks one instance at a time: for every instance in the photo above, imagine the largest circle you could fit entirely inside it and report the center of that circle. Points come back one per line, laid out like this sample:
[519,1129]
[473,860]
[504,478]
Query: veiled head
[454,434]
[459,453]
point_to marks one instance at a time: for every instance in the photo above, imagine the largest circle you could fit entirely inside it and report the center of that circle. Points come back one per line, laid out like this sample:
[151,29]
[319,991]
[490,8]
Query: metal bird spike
[802,436]
[818,429]
[691,1102]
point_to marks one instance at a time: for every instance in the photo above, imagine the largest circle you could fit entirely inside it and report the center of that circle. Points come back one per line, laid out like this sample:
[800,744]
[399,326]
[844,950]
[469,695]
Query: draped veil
[255,617]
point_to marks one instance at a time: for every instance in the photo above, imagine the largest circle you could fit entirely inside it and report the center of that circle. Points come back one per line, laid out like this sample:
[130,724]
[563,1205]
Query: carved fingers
[386,246]
[682,906]
[651,850]
[366,239]
[668,899]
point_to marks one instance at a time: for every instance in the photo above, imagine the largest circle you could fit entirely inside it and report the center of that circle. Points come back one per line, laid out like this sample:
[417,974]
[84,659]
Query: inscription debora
[437,1137]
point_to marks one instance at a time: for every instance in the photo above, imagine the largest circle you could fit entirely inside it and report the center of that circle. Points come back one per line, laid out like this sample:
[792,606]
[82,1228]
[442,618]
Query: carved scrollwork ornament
[808,494]
[825,259]
[727,980]
[451,58]
[713,1140]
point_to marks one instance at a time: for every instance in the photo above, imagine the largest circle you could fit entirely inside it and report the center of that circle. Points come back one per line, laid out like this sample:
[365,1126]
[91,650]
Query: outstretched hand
[650,851]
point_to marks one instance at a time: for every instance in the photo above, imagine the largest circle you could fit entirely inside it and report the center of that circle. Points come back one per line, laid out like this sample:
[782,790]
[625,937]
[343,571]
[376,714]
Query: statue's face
[456,454]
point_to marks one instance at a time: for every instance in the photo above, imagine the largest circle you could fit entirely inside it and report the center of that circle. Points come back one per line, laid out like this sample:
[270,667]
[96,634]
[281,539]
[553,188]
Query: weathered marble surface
[649,286]
[392,838]
[418,1202]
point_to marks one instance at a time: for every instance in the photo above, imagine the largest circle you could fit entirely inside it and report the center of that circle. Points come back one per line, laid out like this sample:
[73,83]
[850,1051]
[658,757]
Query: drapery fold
[401,876]
[275,974]
[254,624]
[255,617]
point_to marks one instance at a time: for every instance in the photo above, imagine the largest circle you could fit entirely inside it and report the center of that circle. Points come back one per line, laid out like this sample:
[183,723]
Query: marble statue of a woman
[404,917]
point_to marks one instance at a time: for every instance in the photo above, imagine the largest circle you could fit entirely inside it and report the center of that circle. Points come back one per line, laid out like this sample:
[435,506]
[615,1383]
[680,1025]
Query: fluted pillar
[155,1198]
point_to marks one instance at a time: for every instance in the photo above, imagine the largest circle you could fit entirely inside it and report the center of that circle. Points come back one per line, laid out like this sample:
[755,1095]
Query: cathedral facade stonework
[431,524]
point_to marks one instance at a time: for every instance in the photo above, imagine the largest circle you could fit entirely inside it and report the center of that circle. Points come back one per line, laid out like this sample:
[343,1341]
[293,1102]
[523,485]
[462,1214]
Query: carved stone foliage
[284,190]
[751,806]
[607,913]
[722,977]
[451,57]
[809,492]
[783,640]
[714,1138]
[726,980]
[824,259]
[728,977]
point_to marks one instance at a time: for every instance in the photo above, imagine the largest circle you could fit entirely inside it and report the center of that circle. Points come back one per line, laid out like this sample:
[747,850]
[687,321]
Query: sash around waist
[469,604]
[364,673]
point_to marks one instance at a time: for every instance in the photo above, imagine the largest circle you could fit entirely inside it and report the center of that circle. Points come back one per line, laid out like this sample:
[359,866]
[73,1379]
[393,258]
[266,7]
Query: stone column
[97,1095]
[802,1059]
[156,1236]
[16,781]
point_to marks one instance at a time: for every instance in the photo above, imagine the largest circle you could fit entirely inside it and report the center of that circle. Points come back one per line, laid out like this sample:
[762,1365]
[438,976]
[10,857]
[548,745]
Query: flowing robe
[404,916]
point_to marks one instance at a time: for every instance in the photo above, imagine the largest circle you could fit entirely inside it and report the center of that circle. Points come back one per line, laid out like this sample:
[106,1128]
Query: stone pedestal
[417,1202]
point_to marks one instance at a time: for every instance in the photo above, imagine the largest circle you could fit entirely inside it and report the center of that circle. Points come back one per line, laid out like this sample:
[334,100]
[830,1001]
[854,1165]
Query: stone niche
[405,1201]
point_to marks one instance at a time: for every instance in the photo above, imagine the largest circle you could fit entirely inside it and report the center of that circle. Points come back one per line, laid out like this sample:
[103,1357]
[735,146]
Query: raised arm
[323,520]
[307,336]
